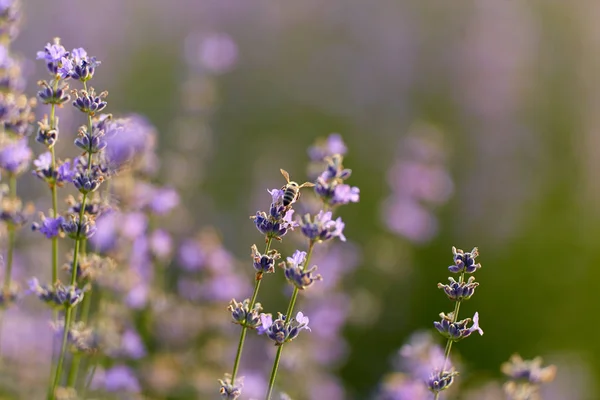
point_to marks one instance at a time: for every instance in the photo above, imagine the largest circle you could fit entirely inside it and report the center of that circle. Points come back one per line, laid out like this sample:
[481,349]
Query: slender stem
[288,318]
[76,362]
[61,358]
[238,355]
[90,377]
[11,236]
[69,310]
[450,341]
[54,194]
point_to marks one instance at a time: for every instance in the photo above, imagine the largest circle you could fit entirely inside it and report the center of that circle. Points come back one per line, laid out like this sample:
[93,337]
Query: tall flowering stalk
[332,191]
[441,378]
[15,125]
[274,225]
[54,94]
[86,174]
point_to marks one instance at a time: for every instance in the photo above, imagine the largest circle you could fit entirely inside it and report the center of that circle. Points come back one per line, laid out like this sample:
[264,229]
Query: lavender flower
[43,170]
[50,227]
[88,102]
[456,331]
[15,157]
[322,228]
[281,332]
[78,65]
[58,294]
[79,230]
[526,376]
[90,142]
[464,262]
[296,272]
[279,221]
[243,315]
[230,391]
[330,186]
[441,380]
[334,144]
[528,370]
[52,55]
[53,93]
[459,291]
[264,263]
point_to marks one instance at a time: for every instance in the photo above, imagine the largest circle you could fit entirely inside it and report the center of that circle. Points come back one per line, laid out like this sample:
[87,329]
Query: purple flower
[266,320]
[66,172]
[322,227]
[464,262]
[191,255]
[15,157]
[334,144]
[132,345]
[344,194]
[457,330]
[278,221]
[302,320]
[164,200]
[50,227]
[217,53]
[121,378]
[161,243]
[66,67]
[52,55]
[128,139]
[296,273]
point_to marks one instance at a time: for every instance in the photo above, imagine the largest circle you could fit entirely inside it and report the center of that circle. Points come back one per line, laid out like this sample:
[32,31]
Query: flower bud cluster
[330,186]
[264,263]
[281,332]
[279,220]
[526,376]
[229,390]
[296,273]
[456,331]
[321,227]
[243,315]
[57,295]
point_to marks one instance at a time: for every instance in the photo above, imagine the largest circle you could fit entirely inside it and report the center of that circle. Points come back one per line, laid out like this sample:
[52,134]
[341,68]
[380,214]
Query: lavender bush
[137,300]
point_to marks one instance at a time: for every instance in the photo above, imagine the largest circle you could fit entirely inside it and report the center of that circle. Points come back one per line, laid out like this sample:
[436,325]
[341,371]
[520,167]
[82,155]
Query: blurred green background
[512,84]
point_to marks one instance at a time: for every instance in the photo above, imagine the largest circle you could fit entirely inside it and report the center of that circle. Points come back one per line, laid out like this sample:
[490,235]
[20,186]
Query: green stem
[449,342]
[11,236]
[76,362]
[69,310]
[288,318]
[238,355]
[61,358]
[54,195]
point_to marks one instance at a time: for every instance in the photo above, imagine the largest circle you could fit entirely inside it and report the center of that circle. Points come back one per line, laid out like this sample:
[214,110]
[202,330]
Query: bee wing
[307,184]
[285,174]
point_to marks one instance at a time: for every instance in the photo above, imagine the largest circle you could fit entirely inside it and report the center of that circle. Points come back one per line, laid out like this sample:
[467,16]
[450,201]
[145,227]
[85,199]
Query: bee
[291,190]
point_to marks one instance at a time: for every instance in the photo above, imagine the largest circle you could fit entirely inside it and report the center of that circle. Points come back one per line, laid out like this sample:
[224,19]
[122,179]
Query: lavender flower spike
[322,228]
[464,262]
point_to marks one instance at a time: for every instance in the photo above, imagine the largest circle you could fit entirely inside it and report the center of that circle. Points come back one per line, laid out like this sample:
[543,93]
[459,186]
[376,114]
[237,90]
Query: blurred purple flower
[334,144]
[15,156]
[216,52]
[161,243]
[132,345]
[191,255]
[164,200]
[121,379]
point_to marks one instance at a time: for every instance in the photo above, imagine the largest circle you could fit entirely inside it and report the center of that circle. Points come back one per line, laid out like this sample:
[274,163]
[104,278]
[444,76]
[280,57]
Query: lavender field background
[466,123]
